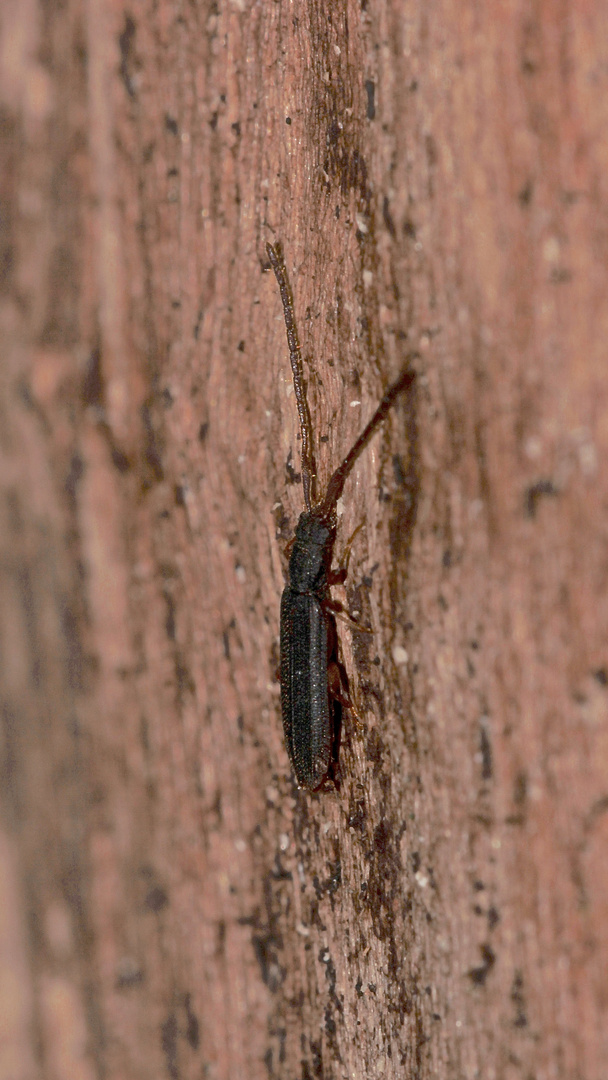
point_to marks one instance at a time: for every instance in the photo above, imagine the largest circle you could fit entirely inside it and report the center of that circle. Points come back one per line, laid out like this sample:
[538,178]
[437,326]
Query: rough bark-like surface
[170,904]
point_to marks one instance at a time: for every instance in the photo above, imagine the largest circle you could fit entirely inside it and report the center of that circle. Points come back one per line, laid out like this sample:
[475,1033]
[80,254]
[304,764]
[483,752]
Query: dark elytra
[310,673]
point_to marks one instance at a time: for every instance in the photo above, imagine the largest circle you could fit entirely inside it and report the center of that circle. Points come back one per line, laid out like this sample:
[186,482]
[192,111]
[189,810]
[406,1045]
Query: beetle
[309,669]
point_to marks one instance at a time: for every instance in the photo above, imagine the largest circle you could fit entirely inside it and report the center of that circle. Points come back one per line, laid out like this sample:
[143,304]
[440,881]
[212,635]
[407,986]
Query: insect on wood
[310,672]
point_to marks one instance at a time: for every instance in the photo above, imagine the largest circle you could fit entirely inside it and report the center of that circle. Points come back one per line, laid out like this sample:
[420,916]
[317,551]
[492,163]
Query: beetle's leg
[336,680]
[338,609]
[338,577]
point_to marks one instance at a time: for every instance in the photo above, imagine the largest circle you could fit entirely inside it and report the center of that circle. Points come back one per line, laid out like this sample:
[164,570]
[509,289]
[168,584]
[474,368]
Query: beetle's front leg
[338,577]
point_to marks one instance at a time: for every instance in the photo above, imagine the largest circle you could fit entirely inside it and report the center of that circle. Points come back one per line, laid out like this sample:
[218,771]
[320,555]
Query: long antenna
[275,254]
[336,484]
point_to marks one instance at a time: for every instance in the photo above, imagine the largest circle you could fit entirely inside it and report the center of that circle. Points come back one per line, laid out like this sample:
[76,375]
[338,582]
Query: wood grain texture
[170,904]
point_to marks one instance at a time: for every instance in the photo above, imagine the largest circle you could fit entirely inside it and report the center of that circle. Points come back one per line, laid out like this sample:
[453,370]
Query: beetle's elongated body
[308,637]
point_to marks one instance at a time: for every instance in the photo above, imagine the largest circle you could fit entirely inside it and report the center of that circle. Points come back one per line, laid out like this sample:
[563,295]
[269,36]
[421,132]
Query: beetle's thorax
[311,553]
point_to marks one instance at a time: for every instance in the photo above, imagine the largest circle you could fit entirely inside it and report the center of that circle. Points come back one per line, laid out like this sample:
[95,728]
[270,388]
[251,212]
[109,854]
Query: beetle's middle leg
[338,609]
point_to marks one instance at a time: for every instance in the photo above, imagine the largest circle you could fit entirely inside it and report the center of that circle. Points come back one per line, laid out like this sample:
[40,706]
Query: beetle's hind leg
[337,680]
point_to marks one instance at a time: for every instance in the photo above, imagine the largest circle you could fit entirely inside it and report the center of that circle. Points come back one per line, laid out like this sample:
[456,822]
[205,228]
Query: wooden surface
[170,904]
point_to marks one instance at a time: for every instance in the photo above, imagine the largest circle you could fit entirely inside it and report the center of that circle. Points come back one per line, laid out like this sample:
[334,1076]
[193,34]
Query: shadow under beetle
[310,672]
